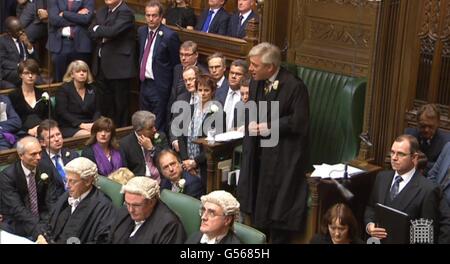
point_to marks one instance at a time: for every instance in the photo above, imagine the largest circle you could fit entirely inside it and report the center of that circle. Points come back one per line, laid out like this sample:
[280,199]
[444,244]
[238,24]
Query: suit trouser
[68,54]
[151,100]
[114,98]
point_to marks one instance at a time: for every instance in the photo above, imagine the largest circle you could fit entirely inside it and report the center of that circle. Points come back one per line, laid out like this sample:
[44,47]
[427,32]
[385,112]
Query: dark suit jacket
[222,91]
[10,58]
[164,58]
[16,201]
[193,186]
[420,198]
[238,31]
[66,156]
[79,23]
[11,125]
[281,166]
[34,27]
[118,59]
[230,238]
[218,25]
[71,110]
[30,117]
[434,149]
[439,173]
[132,155]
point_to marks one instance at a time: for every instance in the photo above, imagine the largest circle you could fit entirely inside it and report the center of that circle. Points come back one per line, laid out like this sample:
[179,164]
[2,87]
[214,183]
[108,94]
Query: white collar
[245,15]
[117,6]
[219,83]
[274,76]
[215,240]
[26,171]
[78,200]
[405,177]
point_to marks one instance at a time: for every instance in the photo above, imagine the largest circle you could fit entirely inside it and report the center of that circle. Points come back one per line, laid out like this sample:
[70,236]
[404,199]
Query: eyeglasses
[209,213]
[186,54]
[135,206]
[399,154]
[72,182]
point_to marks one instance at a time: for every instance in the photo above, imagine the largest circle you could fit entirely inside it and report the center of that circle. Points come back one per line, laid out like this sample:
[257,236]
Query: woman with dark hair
[180,14]
[76,101]
[192,155]
[27,100]
[338,226]
[102,147]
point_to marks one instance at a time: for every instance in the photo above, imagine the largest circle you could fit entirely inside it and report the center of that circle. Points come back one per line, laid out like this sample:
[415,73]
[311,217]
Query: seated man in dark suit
[175,179]
[239,20]
[218,212]
[217,67]
[54,156]
[140,148]
[431,138]
[214,19]
[83,212]
[145,219]
[10,123]
[404,189]
[28,191]
[14,48]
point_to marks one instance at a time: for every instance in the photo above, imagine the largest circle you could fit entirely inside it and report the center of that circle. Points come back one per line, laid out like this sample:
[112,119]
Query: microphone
[364,136]
[348,195]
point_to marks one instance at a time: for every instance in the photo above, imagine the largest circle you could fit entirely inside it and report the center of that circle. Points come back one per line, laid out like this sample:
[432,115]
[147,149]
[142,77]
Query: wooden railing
[51,88]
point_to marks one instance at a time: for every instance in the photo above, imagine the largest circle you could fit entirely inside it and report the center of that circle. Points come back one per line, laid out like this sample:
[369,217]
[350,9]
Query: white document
[8,238]
[3,116]
[334,171]
[228,136]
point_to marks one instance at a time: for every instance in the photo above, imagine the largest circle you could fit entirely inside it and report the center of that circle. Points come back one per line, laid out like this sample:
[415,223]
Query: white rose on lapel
[67,154]
[45,96]
[44,176]
[214,108]
[181,183]
[160,33]
[275,85]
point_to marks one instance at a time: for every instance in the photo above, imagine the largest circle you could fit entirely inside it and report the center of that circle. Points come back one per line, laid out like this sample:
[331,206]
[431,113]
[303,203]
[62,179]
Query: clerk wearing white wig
[145,219]
[83,214]
[218,212]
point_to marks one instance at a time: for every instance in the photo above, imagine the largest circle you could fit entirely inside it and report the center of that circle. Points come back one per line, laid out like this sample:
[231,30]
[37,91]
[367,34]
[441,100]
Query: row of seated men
[36,206]
[76,34]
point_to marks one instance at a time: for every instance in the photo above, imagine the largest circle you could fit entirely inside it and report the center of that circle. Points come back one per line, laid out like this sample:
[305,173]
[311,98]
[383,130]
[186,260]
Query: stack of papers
[8,238]
[228,136]
[334,171]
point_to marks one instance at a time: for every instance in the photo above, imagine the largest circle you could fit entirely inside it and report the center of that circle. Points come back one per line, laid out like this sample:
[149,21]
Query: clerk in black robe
[145,219]
[83,212]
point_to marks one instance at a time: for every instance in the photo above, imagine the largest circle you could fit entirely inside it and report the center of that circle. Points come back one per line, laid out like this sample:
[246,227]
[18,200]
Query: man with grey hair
[28,191]
[145,219]
[218,212]
[272,186]
[139,149]
[83,213]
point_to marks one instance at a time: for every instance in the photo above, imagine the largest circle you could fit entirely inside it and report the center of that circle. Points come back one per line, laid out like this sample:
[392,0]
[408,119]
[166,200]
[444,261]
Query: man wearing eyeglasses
[404,189]
[218,212]
[145,219]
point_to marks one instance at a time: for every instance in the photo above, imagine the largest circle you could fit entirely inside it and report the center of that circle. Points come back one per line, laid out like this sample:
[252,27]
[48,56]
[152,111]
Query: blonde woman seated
[122,175]
[339,226]
[218,212]
[103,147]
[76,101]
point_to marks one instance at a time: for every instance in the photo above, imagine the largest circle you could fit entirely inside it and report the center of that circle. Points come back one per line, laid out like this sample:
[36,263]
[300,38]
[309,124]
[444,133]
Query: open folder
[395,222]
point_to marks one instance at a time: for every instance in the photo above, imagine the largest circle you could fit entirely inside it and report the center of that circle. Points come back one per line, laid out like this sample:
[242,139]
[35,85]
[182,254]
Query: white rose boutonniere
[160,33]
[67,154]
[275,85]
[181,184]
[157,138]
[214,108]
[44,176]
[45,96]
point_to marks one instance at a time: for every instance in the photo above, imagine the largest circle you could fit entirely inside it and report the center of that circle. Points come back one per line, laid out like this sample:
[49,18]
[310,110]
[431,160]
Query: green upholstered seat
[111,189]
[185,207]
[248,234]
[336,114]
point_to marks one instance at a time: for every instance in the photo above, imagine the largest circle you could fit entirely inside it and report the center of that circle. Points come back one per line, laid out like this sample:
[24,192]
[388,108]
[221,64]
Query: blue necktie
[22,53]
[60,169]
[395,187]
[205,27]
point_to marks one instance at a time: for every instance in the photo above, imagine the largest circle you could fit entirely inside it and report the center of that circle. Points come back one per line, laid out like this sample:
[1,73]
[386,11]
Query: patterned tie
[154,173]
[145,56]
[60,169]
[33,194]
[267,87]
[395,187]
[205,27]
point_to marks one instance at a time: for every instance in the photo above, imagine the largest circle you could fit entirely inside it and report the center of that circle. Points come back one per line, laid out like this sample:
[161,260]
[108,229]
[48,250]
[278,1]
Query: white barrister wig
[82,166]
[223,199]
[144,186]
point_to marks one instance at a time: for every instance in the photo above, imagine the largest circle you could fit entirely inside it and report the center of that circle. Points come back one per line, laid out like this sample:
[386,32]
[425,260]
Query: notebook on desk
[395,222]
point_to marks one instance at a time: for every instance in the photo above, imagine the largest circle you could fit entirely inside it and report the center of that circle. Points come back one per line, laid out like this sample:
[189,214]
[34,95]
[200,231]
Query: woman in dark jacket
[76,101]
